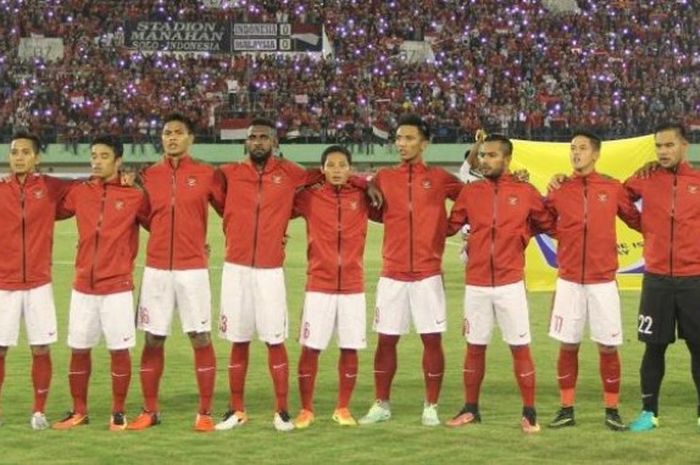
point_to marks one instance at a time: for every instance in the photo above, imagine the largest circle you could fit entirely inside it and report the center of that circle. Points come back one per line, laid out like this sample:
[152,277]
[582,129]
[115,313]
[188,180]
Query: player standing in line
[108,217]
[671,286]
[179,190]
[260,193]
[28,208]
[411,286]
[259,201]
[336,215]
[585,206]
[501,212]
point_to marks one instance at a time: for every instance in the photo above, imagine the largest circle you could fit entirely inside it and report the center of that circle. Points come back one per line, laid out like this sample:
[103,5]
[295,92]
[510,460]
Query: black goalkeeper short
[669,304]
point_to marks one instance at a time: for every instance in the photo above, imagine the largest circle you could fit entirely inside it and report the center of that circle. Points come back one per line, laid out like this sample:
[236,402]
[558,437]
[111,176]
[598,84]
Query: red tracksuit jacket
[336,230]
[415,219]
[27,215]
[108,217]
[258,209]
[502,214]
[585,208]
[179,210]
[670,220]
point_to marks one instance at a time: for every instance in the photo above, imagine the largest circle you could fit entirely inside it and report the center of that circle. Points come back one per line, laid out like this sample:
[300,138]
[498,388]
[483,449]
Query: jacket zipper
[673,217]
[257,217]
[173,186]
[24,233]
[585,229]
[410,216]
[340,226]
[493,234]
[98,228]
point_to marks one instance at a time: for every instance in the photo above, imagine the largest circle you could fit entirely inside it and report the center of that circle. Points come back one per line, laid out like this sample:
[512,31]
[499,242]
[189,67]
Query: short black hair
[110,141]
[673,126]
[336,149]
[504,141]
[595,141]
[412,119]
[259,121]
[23,134]
[180,118]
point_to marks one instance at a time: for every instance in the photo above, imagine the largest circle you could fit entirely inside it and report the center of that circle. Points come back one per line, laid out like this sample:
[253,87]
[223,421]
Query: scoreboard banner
[223,37]
[276,37]
[619,159]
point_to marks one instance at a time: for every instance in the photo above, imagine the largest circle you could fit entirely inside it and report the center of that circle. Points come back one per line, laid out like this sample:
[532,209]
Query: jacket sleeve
[65,206]
[143,214]
[301,204]
[541,218]
[633,185]
[626,209]
[458,215]
[550,205]
[453,186]
[217,196]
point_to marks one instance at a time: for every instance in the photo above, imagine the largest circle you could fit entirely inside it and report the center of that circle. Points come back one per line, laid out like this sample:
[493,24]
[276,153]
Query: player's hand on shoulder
[522,175]
[375,195]
[647,169]
[556,182]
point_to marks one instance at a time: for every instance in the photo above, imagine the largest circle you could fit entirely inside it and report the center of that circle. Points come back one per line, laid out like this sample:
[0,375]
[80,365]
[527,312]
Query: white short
[253,300]
[575,303]
[163,291]
[110,314]
[503,305]
[399,302]
[39,316]
[324,313]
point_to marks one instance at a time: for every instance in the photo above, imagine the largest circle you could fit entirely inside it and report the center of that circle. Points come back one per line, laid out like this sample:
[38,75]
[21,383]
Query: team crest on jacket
[427,184]
[603,196]
[119,204]
[277,178]
[512,200]
[353,205]
[39,194]
[693,189]
[191,181]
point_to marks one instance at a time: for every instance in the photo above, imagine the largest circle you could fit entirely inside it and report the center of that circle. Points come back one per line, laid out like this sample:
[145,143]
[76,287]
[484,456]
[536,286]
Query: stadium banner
[276,37]
[178,36]
[46,48]
[619,159]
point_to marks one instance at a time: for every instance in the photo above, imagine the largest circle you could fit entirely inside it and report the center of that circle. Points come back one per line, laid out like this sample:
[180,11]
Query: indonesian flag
[380,130]
[234,128]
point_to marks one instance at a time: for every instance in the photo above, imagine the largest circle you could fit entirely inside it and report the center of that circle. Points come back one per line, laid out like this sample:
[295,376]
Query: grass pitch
[402,440]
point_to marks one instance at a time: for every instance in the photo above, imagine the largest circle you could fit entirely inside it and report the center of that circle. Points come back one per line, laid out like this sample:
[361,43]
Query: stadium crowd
[515,67]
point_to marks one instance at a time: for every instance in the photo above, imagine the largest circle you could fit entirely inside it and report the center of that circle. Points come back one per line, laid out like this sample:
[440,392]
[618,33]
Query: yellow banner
[619,159]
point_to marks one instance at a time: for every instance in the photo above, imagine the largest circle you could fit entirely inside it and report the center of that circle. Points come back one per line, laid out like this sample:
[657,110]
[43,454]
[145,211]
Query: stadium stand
[523,68]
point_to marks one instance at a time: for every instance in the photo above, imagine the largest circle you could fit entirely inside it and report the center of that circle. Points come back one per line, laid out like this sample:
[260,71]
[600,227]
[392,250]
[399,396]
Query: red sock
[41,378]
[237,369]
[78,378]
[278,364]
[347,376]
[567,374]
[384,365]
[121,377]
[433,366]
[308,367]
[524,370]
[152,361]
[205,367]
[610,374]
[473,372]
